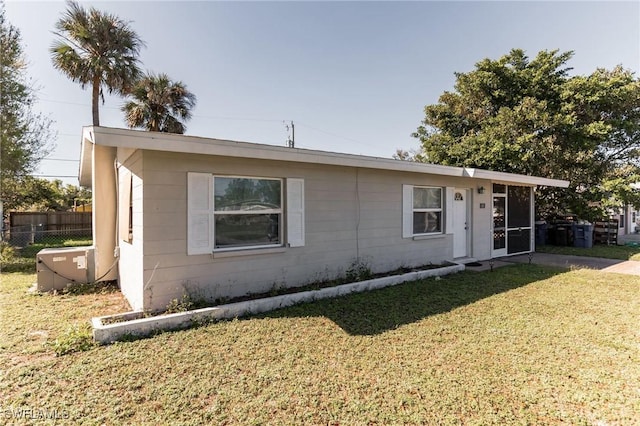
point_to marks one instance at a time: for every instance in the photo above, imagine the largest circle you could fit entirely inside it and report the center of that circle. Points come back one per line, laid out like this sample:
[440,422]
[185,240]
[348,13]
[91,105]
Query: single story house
[217,219]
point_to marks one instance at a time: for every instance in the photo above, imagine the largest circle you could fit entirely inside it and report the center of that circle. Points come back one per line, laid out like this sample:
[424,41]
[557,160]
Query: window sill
[247,252]
[428,237]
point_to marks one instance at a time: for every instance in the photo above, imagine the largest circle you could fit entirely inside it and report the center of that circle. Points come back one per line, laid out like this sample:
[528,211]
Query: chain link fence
[24,236]
[20,244]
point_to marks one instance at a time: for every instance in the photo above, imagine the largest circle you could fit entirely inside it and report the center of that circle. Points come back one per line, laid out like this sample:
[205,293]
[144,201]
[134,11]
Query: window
[235,213]
[247,212]
[427,210]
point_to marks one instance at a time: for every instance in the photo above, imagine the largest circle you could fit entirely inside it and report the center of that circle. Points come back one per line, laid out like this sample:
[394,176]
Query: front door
[460,223]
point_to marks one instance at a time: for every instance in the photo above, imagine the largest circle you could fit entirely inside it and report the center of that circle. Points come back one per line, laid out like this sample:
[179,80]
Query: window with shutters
[427,210]
[237,213]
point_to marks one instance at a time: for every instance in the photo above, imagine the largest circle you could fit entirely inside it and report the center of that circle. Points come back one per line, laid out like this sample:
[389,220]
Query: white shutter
[407,211]
[199,213]
[448,210]
[295,212]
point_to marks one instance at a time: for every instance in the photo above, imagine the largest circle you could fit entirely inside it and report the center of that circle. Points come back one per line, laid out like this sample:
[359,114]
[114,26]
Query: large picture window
[427,210]
[228,213]
[247,212]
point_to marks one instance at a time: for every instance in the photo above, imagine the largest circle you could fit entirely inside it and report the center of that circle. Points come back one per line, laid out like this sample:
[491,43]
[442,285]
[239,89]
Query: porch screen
[518,219]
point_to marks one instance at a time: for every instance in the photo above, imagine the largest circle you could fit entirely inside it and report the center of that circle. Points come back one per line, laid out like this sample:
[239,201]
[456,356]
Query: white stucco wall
[131,253]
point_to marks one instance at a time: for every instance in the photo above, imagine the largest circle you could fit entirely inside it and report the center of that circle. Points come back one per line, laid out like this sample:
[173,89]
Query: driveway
[628,267]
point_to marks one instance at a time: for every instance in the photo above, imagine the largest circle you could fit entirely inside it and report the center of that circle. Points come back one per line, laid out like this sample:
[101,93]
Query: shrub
[359,270]
[182,305]
[77,338]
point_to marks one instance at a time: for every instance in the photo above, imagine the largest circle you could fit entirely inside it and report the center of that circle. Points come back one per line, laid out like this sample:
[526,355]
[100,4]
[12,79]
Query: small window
[247,212]
[458,197]
[427,210]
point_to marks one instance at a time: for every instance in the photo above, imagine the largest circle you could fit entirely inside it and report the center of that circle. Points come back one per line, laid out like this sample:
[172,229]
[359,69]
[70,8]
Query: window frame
[280,212]
[440,210]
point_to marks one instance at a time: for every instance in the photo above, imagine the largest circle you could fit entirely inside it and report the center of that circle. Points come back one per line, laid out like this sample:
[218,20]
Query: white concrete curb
[105,330]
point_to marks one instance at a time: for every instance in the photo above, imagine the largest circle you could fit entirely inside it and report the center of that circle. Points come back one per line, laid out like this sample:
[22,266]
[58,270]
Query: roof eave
[86,156]
[197,145]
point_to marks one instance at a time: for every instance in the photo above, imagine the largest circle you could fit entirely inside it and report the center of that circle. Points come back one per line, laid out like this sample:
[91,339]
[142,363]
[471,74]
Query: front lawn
[598,250]
[524,344]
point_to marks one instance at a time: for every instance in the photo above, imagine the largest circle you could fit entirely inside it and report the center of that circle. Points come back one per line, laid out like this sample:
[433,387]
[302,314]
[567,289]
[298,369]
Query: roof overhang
[168,142]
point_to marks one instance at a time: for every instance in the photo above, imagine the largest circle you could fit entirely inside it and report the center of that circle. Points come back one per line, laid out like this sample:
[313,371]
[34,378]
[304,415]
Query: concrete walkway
[628,267]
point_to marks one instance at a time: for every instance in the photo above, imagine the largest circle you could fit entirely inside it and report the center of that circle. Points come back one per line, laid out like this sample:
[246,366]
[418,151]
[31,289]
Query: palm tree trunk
[95,100]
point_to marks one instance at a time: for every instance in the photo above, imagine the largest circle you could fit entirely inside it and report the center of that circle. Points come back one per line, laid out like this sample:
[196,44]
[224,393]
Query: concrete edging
[134,324]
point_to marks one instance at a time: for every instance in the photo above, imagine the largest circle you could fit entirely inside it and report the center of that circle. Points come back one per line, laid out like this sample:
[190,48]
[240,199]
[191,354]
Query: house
[216,219]
[627,218]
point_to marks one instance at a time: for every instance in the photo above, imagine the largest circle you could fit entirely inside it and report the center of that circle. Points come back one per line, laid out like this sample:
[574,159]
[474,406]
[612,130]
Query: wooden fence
[62,222]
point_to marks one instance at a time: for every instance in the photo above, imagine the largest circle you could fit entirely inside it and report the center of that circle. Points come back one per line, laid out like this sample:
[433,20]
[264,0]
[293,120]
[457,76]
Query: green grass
[525,344]
[608,252]
[23,260]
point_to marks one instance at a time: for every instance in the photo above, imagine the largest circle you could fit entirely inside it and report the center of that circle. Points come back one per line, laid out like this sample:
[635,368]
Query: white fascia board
[198,145]
[86,154]
[516,178]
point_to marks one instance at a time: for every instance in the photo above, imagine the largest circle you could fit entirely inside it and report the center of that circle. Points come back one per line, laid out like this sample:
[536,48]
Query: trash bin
[562,235]
[541,233]
[583,235]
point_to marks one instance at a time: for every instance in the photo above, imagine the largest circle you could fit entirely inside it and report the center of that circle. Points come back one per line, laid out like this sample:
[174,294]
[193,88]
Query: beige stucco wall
[104,212]
[349,213]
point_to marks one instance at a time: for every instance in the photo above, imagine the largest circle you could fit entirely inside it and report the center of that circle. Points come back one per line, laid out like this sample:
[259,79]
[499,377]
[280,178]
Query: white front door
[460,223]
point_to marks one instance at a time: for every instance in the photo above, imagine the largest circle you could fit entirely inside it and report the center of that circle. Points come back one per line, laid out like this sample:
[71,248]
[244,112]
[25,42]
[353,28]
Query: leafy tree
[159,105]
[35,194]
[411,155]
[96,49]
[25,136]
[529,116]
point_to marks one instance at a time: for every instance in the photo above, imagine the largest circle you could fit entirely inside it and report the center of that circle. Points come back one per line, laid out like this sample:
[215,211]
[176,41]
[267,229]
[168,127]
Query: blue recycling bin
[541,234]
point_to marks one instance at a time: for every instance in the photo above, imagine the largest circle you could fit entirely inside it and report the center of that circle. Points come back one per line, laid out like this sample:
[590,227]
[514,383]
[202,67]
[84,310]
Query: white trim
[408,211]
[198,145]
[443,200]
[248,252]
[279,212]
[428,237]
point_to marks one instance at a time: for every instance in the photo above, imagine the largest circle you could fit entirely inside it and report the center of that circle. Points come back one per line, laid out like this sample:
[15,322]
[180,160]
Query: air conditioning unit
[59,268]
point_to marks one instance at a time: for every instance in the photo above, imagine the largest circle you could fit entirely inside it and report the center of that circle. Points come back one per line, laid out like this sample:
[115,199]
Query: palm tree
[159,104]
[97,49]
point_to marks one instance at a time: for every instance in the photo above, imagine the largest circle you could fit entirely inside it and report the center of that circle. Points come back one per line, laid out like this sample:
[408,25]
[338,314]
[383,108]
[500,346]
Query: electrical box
[59,268]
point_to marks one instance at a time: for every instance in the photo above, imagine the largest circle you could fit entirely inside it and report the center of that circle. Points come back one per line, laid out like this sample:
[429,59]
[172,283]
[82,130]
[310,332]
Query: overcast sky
[354,77]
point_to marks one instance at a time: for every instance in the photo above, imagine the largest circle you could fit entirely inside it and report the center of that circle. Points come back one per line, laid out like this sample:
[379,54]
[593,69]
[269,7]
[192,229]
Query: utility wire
[334,135]
[222,117]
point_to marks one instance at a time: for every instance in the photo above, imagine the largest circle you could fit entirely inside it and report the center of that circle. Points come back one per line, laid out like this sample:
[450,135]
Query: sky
[354,77]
